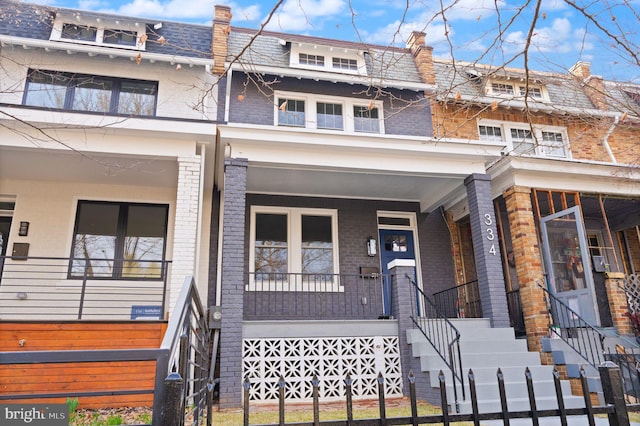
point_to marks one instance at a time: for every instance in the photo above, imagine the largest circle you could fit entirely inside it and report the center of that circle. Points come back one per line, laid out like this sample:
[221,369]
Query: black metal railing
[186,391]
[461,301]
[269,296]
[443,336]
[516,317]
[614,407]
[628,360]
[62,288]
[581,336]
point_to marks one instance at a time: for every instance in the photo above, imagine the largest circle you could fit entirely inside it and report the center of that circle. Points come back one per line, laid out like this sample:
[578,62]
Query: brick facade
[185,225]
[618,302]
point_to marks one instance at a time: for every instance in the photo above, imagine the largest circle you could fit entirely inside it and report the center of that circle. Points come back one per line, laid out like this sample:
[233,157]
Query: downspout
[200,204]
[227,96]
[605,141]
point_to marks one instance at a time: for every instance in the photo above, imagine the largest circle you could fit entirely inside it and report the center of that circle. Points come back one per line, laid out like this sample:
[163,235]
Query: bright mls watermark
[34,414]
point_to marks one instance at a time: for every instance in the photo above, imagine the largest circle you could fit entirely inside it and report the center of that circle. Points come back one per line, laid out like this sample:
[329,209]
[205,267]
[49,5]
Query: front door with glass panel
[394,244]
[567,262]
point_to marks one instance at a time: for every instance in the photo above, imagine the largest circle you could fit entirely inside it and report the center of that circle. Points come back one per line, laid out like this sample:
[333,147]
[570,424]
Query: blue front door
[394,244]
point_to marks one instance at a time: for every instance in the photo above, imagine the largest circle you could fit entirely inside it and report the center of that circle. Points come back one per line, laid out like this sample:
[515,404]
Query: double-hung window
[522,139]
[80,92]
[518,90]
[293,247]
[119,240]
[328,113]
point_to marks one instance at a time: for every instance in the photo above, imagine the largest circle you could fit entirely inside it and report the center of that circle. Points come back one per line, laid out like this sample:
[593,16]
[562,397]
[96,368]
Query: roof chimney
[423,56]
[221,30]
[592,85]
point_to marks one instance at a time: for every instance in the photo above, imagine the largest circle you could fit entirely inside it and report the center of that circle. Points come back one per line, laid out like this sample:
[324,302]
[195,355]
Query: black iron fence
[462,301]
[315,296]
[443,336]
[62,288]
[614,407]
[581,336]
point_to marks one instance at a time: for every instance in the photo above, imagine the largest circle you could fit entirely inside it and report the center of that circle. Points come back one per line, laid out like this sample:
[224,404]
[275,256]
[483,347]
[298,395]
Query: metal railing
[186,391]
[63,288]
[581,336]
[516,317]
[441,334]
[269,296]
[461,301]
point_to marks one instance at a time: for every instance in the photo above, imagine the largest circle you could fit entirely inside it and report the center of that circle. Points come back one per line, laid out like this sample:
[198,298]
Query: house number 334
[488,221]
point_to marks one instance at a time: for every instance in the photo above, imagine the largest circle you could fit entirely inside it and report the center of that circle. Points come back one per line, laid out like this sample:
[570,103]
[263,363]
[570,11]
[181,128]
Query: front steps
[484,350]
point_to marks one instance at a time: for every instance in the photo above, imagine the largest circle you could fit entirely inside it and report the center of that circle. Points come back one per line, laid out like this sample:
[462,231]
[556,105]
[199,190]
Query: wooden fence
[612,384]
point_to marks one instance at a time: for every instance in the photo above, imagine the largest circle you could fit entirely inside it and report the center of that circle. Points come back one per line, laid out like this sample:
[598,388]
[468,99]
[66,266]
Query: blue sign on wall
[146,312]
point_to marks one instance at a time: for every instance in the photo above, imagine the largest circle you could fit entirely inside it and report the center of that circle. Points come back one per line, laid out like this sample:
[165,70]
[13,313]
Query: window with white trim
[103,31]
[327,58]
[294,245]
[516,90]
[345,64]
[545,141]
[328,112]
[315,60]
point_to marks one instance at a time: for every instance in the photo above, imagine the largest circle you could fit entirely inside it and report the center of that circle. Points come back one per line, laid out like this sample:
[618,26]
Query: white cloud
[300,15]
[557,38]
[472,9]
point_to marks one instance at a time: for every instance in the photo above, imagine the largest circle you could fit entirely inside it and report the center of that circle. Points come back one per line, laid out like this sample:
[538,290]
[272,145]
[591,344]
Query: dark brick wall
[213,247]
[406,112]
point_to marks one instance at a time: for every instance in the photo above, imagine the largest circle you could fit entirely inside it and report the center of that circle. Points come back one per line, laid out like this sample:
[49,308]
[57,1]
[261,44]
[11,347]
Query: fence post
[614,393]
[246,385]
[173,411]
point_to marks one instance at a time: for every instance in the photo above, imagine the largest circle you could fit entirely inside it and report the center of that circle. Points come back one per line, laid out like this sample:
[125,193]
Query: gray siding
[406,112]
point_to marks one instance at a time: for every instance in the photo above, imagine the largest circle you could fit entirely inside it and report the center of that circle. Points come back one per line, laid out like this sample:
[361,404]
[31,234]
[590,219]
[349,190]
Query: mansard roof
[20,20]
[467,82]
[385,65]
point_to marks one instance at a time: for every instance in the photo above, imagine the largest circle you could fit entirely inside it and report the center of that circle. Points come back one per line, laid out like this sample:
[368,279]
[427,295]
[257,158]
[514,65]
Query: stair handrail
[443,336]
[574,330]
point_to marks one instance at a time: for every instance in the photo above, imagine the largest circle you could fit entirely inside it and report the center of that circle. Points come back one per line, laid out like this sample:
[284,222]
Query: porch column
[185,225]
[232,281]
[526,253]
[618,304]
[486,248]
[401,303]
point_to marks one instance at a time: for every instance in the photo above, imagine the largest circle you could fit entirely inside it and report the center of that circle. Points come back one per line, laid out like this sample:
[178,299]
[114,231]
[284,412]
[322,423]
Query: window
[120,37]
[119,240]
[328,113]
[548,141]
[366,119]
[345,64]
[103,31]
[52,89]
[502,89]
[315,60]
[79,32]
[294,241]
[534,92]
[329,116]
[517,90]
[291,112]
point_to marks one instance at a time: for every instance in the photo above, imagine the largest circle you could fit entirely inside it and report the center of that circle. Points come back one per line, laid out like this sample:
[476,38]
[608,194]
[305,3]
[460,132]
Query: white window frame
[104,24]
[294,248]
[518,88]
[311,113]
[329,53]
[541,150]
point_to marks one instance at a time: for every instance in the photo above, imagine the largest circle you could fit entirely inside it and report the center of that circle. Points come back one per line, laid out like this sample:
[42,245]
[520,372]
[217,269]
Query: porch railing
[581,336]
[275,296]
[443,336]
[462,301]
[62,288]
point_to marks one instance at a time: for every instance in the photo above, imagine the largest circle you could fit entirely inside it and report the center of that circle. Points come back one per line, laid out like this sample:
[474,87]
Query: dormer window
[516,90]
[103,31]
[326,58]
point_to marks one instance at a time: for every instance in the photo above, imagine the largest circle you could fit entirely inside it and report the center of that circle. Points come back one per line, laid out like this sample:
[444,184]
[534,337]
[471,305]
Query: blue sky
[467,32]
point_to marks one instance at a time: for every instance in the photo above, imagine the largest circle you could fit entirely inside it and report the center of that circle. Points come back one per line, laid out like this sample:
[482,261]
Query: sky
[468,30]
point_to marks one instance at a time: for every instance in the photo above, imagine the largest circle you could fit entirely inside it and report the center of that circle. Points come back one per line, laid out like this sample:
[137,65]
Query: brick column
[526,252]
[401,303]
[185,225]
[618,302]
[232,281]
[486,250]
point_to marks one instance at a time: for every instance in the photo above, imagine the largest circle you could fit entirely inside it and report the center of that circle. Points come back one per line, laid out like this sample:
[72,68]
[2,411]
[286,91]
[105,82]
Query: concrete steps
[484,350]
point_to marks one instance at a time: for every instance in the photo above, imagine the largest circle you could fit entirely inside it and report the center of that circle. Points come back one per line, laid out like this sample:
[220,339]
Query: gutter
[605,141]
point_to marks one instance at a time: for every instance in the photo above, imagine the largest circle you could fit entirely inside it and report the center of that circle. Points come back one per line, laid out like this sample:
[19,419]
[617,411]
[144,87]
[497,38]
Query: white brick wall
[185,226]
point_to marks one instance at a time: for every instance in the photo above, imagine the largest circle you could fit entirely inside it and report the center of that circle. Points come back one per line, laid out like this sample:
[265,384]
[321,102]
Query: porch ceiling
[67,166]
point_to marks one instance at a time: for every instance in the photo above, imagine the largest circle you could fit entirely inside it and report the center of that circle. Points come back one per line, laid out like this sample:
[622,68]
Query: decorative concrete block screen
[331,358]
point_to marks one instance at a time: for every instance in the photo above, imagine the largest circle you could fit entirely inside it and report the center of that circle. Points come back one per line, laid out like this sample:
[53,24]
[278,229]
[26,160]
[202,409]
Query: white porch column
[185,226]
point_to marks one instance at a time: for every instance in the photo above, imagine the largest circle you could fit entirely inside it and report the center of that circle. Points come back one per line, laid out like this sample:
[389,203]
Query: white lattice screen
[632,290]
[331,358]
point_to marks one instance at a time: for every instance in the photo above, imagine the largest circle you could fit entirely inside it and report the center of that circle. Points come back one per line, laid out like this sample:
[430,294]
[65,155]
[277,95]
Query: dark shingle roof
[394,64]
[33,21]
